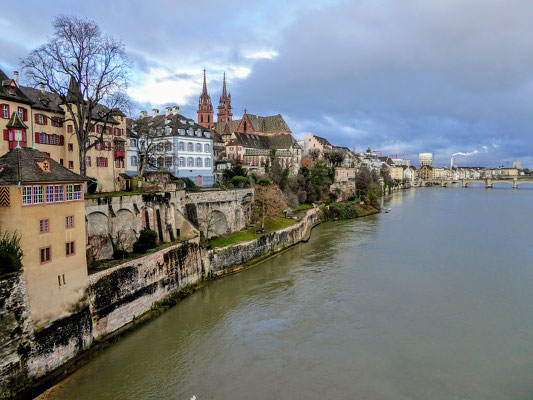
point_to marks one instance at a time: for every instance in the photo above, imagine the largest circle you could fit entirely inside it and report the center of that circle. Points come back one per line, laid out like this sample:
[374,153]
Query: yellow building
[48,130]
[397,173]
[42,202]
[426,172]
[509,171]
[439,173]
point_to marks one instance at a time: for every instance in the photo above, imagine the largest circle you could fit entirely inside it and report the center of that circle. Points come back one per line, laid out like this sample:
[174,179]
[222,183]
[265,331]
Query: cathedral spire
[224,106]
[205,108]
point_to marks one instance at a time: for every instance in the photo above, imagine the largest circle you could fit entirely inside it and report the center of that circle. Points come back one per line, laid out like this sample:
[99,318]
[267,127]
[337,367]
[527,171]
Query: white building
[425,159]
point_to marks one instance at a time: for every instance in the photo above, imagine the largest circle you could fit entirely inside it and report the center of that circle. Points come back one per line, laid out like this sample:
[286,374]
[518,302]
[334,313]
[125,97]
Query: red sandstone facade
[205,108]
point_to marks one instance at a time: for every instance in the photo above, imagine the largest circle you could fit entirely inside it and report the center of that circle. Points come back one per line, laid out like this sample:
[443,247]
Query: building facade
[43,201]
[425,159]
[46,127]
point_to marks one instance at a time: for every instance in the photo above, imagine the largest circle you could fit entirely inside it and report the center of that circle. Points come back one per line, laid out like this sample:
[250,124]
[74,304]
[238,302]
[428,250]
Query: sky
[405,76]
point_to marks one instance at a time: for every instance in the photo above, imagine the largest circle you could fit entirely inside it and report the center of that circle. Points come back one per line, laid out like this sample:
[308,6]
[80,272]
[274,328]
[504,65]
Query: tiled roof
[283,142]
[21,165]
[220,127]
[5,83]
[252,141]
[274,123]
[179,125]
[322,141]
[43,101]
[16,122]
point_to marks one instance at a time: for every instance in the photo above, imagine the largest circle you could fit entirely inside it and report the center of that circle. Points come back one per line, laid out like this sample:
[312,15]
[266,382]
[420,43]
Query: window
[206,148]
[182,162]
[23,113]
[189,146]
[168,146]
[198,147]
[45,254]
[133,142]
[133,161]
[40,119]
[88,161]
[77,191]
[168,161]
[59,193]
[101,161]
[69,193]
[59,279]
[44,226]
[50,194]
[99,129]
[119,162]
[70,147]
[207,162]
[26,195]
[71,165]
[198,162]
[5,111]
[182,146]
[69,221]
[37,195]
[70,249]
[190,162]
[70,129]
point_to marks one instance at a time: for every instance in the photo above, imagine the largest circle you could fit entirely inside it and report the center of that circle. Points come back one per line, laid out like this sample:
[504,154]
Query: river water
[433,300]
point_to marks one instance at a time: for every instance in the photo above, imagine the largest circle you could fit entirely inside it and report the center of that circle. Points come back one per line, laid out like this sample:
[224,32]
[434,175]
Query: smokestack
[168,110]
[155,112]
[42,88]
[16,77]
[175,110]
[144,114]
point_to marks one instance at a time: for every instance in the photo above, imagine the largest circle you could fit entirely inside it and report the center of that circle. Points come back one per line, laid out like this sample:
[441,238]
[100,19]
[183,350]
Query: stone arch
[97,223]
[124,232]
[237,219]
[216,223]
[98,235]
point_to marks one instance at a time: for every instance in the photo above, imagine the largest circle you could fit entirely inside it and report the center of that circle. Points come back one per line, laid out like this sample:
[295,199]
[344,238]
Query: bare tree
[147,141]
[87,71]
[210,220]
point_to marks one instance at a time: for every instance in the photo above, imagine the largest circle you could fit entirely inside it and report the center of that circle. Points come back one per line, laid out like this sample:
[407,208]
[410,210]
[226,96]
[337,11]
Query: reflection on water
[432,300]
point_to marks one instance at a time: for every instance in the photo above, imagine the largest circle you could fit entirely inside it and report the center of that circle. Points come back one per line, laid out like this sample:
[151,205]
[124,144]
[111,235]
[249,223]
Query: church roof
[323,141]
[231,125]
[254,141]
[25,165]
[274,123]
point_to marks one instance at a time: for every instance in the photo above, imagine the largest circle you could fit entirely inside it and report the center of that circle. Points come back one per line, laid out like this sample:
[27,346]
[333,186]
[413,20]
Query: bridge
[514,180]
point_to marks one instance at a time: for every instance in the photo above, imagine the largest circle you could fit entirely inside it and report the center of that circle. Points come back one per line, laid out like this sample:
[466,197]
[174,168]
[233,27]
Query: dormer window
[181,131]
[198,132]
[190,132]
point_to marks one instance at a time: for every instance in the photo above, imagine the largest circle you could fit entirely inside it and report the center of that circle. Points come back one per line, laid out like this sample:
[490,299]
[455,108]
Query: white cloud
[262,54]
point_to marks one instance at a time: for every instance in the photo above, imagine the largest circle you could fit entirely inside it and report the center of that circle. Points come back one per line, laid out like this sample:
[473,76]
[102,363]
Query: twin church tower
[205,108]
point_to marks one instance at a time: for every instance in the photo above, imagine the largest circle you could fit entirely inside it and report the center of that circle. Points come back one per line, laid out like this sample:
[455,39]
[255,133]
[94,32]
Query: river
[433,300]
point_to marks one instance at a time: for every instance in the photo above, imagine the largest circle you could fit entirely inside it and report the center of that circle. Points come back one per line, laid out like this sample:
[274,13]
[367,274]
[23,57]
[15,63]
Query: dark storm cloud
[436,75]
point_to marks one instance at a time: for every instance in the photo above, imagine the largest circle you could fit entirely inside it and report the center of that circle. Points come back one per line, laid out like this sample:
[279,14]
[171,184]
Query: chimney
[168,110]
[16,77]
[175,110]
[144,114]
[42,88]
[155,112]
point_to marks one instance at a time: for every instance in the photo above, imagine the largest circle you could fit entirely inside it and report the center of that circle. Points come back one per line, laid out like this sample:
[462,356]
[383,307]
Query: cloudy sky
[407,76]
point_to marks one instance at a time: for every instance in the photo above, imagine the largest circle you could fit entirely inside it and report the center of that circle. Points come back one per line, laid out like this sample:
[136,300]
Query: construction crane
[380,151]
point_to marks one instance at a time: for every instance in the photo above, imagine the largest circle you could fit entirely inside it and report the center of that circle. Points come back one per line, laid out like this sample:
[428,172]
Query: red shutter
[61,140]
[106,161]
[24,114]
[37,137]
[6,134]
[92,129]
[45,119]
[36,118]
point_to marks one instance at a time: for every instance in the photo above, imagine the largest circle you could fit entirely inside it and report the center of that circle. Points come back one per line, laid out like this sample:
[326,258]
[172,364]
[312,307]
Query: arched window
[189,146]
[207,162]
[198,162]
[182,161]
[182,146]
[198,147]
[133,161]
[190,162]
[201,118]
[208,118]
[206,148]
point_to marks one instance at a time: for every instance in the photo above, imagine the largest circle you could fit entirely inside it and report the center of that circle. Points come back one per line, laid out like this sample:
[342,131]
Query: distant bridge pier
[488,183]
[515,183]
[464,183]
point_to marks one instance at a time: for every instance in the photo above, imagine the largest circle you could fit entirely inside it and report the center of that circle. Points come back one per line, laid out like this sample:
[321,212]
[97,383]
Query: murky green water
[431,301]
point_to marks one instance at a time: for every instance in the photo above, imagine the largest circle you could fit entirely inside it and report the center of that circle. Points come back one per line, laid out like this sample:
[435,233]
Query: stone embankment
[118,298]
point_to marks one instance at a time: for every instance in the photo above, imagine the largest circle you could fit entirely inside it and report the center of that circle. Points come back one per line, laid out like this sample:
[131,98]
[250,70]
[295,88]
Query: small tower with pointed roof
[205,108]
[224,106]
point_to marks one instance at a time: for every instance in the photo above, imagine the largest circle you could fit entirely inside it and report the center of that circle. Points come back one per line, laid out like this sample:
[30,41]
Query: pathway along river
[431,301]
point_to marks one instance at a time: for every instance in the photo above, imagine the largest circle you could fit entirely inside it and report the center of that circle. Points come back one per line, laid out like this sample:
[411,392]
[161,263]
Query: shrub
[229,185]
[147,240]
[10,253]
[189,185]
[120,254]
[263,182]
[240,181]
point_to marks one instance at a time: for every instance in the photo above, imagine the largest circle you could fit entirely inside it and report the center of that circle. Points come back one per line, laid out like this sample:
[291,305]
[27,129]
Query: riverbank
[125,296]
